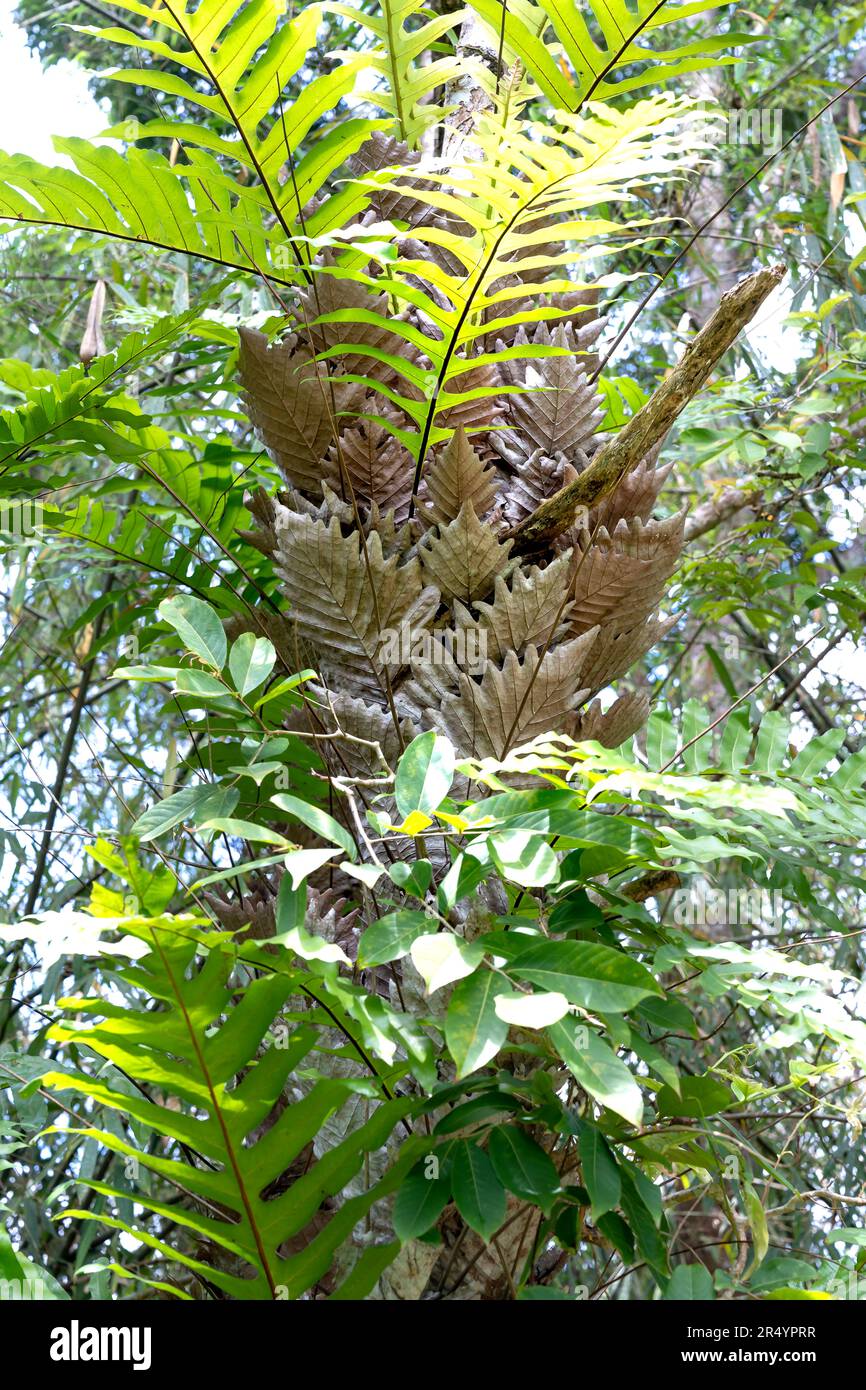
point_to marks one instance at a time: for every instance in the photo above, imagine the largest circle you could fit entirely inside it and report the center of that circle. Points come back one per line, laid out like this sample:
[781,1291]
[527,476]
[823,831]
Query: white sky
[34,105]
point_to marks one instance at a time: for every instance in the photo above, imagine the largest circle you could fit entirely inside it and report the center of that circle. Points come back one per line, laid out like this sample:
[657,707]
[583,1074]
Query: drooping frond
[615,651]
[242,59]
[238,62]
[582,67]
[141,197]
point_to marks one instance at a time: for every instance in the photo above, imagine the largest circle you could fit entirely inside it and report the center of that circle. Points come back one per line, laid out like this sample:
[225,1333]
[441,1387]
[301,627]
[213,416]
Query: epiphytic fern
[450,421]
[407,84]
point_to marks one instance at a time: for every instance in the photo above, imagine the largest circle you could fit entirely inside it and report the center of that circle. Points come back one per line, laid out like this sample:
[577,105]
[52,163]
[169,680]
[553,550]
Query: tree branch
[713,512]
[651,423]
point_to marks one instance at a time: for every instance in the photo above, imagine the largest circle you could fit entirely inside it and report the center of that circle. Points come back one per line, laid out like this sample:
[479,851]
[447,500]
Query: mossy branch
[651,423]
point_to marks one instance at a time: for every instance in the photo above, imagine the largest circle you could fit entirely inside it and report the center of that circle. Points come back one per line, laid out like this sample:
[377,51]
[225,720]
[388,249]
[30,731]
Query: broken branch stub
[651,423]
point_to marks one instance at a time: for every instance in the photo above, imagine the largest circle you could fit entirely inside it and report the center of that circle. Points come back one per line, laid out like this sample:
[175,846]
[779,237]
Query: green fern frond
[407,85]
[79,406]
[595,41]
[244,58]
[141,197]
[247,55]
[531,185]
[211,1054]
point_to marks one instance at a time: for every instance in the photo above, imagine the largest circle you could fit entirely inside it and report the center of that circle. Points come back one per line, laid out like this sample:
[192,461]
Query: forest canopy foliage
[433,784]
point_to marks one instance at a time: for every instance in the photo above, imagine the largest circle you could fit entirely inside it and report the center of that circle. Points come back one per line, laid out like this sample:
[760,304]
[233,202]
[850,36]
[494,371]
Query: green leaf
[391,937]
[798,1295]
[598,39]
[198,627]
[190,803]
[772,743]
[462,878]
[442,958]
[189,680]
[531,1010]
[736,742]
[245,829]
[474,1031]
[817,753]
[597,1069]
[478,1193]
[596,977]
[414,878]
[690,1282]
[699,1096]
[291,931]
[668,1015]
[524,1167]
[251,661]
[758,1224]
[213,1027]
[649,1242]
[424,775]
[600,1171]
[316,820]
[524,858]
[615,1230]
[418,1204]
[847,1235]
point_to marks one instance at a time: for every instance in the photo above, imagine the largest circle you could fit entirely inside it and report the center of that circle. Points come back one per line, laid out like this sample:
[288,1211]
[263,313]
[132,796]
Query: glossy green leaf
[521,1164]
[442,958]
[597,1069]
[478,1192]
[424,774]
[196,804]
[699,1096]
[474,1031]
[690,1282]
[420,1201]
[593,976]
[316,820]
[251,661]
[600,1172]
[391,937]
[198,627]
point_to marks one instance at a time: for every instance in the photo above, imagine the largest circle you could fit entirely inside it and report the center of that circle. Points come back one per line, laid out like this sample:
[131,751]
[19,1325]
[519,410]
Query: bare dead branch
[651,423]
